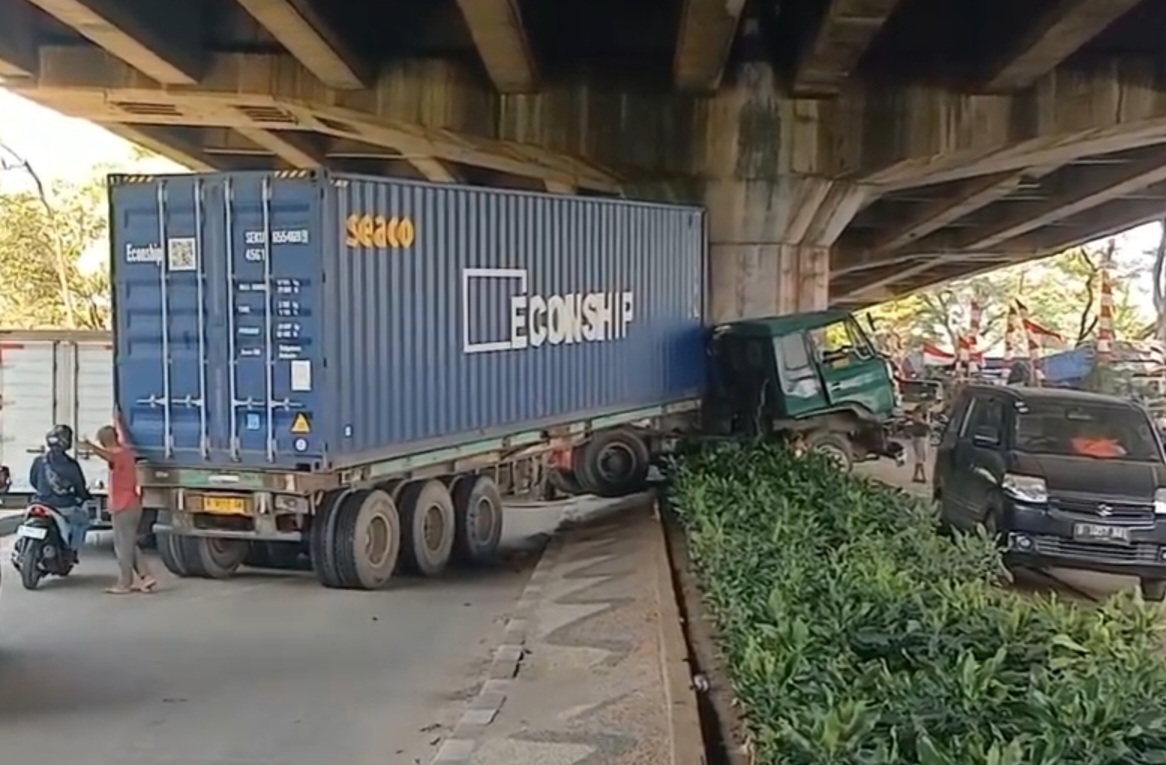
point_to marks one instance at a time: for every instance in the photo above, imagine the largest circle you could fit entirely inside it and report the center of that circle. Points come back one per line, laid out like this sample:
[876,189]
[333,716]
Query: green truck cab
[815,377]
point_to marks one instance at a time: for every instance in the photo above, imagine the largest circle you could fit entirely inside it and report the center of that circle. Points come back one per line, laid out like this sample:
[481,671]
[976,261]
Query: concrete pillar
[771,218]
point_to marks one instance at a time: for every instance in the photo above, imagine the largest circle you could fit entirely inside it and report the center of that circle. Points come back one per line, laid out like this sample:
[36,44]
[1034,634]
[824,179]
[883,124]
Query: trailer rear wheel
[321,537]
[428,524]
[367,540]
[477,506]
[179,555]
[220,558]
[614,463]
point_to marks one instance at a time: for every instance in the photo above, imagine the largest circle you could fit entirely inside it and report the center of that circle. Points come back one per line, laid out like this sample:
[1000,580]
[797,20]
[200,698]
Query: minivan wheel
[1154,590]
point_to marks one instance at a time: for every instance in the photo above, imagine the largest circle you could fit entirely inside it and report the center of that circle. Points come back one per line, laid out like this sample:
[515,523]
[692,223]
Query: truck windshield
[1085,430]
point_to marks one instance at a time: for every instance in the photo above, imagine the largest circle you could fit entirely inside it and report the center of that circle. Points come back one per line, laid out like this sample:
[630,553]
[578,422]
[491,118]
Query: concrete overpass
[847,150]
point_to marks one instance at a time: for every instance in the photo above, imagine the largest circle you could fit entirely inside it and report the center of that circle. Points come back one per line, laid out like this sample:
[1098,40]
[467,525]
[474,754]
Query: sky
[65,148]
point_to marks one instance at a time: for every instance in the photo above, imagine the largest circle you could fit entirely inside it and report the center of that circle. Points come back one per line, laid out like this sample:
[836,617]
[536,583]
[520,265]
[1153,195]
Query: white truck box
[49,377]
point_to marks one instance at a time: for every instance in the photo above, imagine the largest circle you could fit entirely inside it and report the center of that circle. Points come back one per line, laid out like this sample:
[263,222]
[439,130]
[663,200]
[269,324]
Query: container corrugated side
[453,313]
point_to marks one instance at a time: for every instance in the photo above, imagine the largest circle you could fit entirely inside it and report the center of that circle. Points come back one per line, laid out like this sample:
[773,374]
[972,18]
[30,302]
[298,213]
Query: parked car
[1064,478]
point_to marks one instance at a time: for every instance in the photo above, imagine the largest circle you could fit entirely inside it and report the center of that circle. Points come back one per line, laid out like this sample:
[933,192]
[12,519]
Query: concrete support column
[751,280]
[773,213]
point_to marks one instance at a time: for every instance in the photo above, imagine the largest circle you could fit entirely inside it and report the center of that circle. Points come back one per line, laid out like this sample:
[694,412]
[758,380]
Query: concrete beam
[169,143]
[1080,189]
[501,40]
[707,30]
[902,138]
[238,92]
[297,149]
[846,30]
[1058,34]
[17,40]
[298,28]
[975,194]
[1098,222]
[124,29]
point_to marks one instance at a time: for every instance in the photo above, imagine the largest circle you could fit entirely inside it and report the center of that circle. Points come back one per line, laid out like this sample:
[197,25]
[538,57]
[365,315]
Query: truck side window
[798,375]
[792,351]
[839,341]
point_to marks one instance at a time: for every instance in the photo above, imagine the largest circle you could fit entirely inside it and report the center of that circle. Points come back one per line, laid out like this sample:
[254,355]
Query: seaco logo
[371,231]
[532,321]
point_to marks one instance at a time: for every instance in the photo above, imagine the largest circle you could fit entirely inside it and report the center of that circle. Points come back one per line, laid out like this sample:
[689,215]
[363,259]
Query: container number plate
[224,505]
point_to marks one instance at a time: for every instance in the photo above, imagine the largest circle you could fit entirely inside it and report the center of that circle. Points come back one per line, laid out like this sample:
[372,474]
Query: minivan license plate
[1096,532]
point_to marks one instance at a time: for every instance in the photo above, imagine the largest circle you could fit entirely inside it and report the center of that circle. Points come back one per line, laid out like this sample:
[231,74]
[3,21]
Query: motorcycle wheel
[30,573]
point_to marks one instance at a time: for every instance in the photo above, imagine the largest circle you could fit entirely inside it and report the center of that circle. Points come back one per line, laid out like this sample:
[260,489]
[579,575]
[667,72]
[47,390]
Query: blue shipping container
[314,320]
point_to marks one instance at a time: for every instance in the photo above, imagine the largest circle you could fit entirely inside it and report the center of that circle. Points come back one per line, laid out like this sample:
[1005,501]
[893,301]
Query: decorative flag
[1105,320]
[976,317]
[1033,340]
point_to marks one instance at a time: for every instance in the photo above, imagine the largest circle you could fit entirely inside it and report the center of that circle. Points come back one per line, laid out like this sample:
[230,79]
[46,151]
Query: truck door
[216,284]
[852,372]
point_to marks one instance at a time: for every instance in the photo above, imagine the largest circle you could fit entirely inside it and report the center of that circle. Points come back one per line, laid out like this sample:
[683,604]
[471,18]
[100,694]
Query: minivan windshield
[1073,429]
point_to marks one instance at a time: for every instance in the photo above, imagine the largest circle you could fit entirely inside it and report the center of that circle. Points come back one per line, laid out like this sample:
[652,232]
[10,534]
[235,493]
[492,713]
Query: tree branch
[58,241]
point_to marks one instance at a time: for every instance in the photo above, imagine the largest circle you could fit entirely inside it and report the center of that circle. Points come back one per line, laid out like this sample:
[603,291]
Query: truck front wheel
[834,446]
[366,540]
[477,506]
[614,463]
[428,522]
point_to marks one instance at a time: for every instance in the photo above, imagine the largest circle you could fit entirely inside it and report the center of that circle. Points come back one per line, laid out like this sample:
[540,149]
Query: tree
[1062,293]
[43,234]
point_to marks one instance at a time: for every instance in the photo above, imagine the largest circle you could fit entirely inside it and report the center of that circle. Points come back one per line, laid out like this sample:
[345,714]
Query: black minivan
[1066,479]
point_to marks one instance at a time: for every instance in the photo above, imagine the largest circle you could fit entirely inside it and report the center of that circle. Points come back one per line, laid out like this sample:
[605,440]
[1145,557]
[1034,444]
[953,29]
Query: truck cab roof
[771,326]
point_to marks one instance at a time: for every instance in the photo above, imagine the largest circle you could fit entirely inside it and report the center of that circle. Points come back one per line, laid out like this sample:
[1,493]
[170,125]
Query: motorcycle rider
[59,483]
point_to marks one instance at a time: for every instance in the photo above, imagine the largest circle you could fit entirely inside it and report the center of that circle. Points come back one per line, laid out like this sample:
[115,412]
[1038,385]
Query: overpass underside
[847,151]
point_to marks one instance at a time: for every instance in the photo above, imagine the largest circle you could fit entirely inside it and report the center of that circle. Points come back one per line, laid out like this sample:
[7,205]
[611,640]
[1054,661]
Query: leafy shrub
[854,633]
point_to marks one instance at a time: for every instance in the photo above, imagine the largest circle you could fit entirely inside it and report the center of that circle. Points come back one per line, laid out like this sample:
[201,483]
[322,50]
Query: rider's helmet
[60,438]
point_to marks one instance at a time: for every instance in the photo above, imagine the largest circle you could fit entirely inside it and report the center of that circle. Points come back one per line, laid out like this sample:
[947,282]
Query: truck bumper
[263,528]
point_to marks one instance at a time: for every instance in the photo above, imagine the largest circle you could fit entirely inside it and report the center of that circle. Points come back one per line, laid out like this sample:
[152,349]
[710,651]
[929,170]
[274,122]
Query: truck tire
[477,505]
[366,542]
[180,556]
[834,446]
[614,463]
[321,536]
[428,524]
[220,558]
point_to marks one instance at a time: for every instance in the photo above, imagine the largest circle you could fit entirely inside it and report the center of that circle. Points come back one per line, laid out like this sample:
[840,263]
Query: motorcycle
[42,547]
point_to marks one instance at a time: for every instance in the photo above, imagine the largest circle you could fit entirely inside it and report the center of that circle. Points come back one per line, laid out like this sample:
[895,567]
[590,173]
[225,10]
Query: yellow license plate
[224,505]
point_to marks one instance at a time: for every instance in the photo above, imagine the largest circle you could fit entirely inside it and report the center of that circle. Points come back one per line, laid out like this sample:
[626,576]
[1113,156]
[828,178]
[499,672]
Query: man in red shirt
[125,508]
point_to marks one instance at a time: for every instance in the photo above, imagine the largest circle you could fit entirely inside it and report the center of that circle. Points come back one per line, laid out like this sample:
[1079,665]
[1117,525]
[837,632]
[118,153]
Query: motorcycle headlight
[1026,488]
[1160,502]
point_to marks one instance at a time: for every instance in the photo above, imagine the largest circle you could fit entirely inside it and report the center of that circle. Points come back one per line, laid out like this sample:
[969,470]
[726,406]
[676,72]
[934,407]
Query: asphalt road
[259,670]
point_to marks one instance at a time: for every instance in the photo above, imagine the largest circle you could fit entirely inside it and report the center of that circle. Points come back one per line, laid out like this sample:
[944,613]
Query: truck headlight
[1160,502]
[1027,488]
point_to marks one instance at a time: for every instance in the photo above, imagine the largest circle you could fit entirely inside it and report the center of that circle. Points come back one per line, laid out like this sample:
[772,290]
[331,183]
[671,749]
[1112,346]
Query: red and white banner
[934,356]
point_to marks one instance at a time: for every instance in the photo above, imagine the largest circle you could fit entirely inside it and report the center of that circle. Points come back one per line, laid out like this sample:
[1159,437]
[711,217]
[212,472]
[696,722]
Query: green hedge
[854,633]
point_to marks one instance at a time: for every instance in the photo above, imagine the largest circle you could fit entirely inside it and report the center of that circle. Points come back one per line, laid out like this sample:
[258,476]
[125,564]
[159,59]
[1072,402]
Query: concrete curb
[484,707]
[686,737]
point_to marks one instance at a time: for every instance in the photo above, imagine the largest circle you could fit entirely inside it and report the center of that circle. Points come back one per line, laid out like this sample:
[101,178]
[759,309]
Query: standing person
[920,433]
[125,508]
